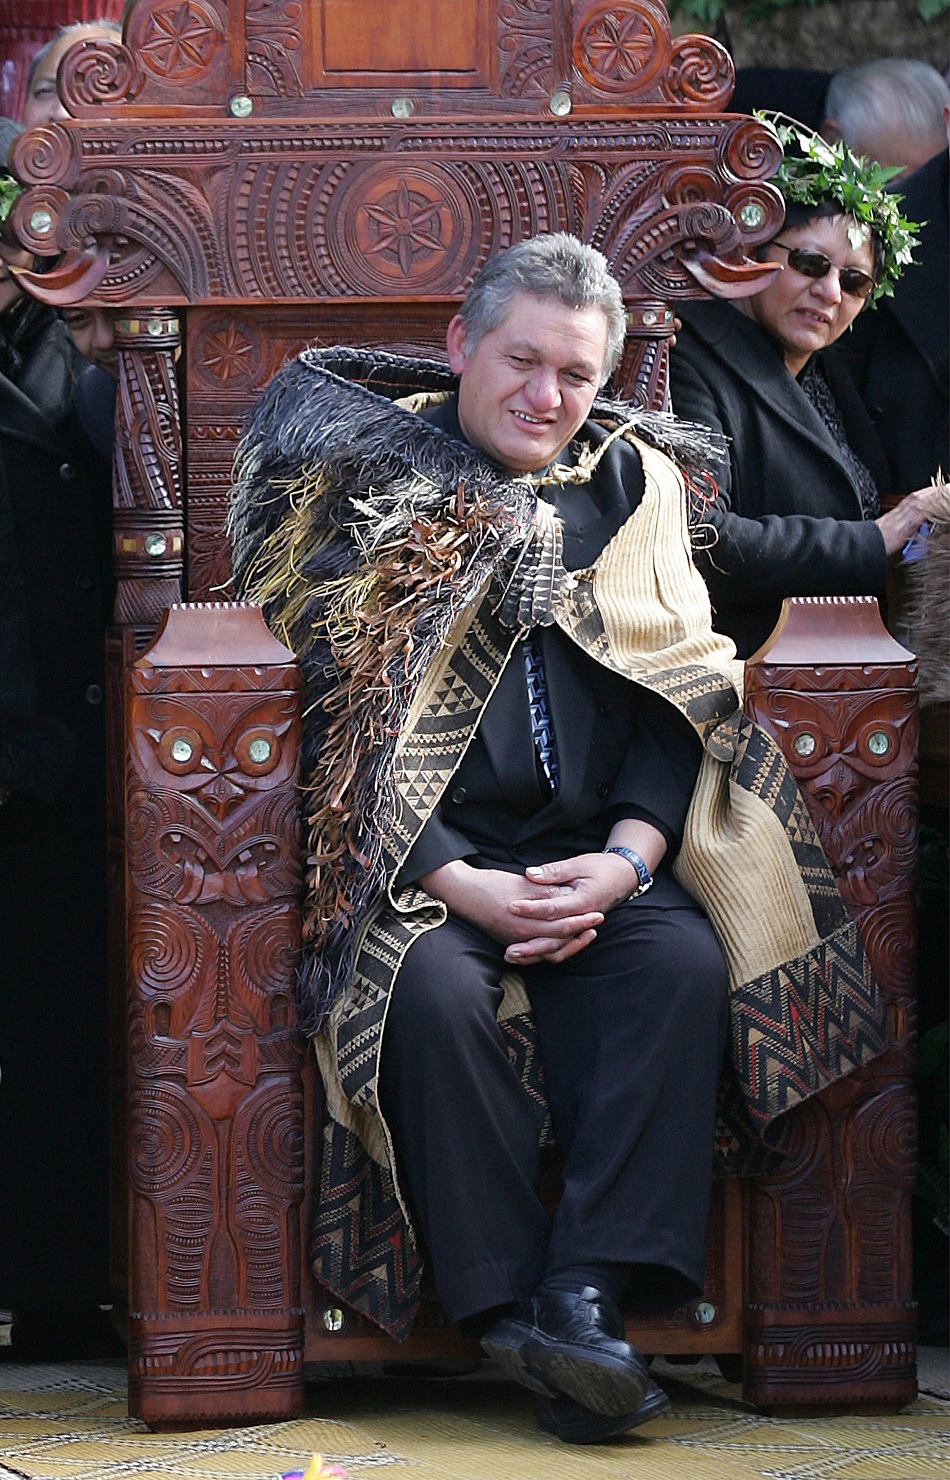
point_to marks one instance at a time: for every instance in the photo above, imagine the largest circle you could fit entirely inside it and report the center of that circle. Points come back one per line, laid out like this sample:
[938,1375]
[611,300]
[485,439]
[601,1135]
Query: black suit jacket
[899,353]
[622,752]
[788,520]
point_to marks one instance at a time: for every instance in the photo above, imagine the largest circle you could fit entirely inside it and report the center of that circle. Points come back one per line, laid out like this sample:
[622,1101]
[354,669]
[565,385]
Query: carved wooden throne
[242,177]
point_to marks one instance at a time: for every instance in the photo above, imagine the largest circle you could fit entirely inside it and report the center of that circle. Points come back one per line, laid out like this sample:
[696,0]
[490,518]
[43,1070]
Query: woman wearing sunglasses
[798,507]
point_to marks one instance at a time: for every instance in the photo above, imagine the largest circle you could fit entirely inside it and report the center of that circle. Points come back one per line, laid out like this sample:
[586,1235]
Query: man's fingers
[558,913]
[529,952]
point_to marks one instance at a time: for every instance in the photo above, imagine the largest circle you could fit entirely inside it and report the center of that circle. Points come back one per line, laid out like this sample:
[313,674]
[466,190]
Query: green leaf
[929,10]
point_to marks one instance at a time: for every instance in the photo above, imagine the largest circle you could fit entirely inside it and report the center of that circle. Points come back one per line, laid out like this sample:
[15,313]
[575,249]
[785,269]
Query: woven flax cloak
[380,549]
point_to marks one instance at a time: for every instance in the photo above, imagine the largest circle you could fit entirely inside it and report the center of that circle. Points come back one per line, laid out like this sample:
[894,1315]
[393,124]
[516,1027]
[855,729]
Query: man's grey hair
[45,50]
[556,266]
[892,93]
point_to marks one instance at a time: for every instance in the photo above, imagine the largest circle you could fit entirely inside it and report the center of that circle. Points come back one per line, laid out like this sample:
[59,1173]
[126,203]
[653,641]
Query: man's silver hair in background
[893,92]
[556,266]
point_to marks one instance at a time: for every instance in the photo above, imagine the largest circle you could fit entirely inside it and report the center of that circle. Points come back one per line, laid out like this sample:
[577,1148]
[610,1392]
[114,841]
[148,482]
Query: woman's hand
[536,920]
[899,523]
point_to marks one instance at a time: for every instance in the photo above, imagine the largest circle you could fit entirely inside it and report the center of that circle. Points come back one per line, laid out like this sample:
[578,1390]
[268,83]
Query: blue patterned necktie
[541,726]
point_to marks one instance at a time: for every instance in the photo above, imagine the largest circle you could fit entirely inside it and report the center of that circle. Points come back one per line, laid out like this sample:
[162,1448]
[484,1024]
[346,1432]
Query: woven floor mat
[70,1423]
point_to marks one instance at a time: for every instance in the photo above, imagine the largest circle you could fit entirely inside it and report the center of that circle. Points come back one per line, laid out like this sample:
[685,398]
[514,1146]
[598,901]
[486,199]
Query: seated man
[472,590]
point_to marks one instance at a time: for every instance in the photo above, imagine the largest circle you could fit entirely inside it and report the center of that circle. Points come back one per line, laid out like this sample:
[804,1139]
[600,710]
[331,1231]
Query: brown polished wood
[245,178]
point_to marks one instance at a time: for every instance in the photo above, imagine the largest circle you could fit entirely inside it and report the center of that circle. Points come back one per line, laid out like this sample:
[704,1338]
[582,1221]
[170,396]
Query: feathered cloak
[382,550]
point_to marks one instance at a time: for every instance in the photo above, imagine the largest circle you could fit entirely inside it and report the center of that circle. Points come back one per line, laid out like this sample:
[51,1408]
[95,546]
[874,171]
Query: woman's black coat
[53,887]
[788,518]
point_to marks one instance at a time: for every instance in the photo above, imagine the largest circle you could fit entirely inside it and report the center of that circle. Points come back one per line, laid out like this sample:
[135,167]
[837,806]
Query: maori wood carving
[258,167]
[830,1317]
[245,156]
[215,1107]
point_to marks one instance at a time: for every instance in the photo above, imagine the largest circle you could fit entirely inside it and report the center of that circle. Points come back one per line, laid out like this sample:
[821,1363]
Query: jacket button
[459,794]
[85,583]
[604,708]
[602,788]
[67,472]
[94,694]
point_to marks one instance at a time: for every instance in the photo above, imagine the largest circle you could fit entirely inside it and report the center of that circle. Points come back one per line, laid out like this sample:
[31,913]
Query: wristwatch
[643,873]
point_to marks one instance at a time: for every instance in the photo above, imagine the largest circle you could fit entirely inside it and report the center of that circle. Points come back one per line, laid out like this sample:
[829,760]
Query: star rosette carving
[229,354]
[619,48]
[179,41]
[405,228]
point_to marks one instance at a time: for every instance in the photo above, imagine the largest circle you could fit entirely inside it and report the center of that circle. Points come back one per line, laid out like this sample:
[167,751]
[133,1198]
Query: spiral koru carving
[888,934]
[620,48]
[165,1139]
[750,150]
[165,950]
[887,1126]
[274,1144]
[700,72]
[176,42]
[263,947]
[47,154]
[96,73]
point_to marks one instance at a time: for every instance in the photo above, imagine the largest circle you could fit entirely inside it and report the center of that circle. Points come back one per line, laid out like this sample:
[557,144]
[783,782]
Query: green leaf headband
[10,190]
[814,171]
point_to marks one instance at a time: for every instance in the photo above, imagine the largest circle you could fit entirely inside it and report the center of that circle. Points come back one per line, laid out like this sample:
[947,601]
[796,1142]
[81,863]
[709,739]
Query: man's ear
[455,345]
[830,130]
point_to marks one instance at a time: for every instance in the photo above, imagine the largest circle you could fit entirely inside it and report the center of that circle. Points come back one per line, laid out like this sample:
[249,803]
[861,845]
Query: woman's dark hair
[797,214]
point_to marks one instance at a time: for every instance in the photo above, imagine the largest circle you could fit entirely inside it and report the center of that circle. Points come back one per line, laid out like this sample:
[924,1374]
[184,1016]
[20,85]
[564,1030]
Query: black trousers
[632,1032]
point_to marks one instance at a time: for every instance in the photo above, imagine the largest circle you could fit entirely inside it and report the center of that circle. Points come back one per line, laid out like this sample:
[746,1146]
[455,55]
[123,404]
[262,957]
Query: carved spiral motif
[690,185]
[700,72]
[38,217]
[750,151]
[749,203]
[888,1130]
[163,954]
[274,1144]
[620,48]
[95,73]
[164,1140]
[266,946]
[888,935]
[47,155]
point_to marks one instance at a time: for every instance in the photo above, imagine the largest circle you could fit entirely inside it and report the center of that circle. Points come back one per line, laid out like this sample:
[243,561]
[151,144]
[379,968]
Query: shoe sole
[604,1386]
[508,1350]
[598,1427]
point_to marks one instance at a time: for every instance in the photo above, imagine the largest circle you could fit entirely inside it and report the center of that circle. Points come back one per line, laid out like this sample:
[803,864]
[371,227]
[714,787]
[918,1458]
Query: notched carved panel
[528,37]
[274,31]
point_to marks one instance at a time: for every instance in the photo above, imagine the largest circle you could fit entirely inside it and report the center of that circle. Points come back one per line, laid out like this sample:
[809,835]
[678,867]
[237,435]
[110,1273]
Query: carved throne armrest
[215,1097]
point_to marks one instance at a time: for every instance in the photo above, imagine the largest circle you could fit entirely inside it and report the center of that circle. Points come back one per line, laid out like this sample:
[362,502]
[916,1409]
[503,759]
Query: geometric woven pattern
[71,1423]
[800,1027]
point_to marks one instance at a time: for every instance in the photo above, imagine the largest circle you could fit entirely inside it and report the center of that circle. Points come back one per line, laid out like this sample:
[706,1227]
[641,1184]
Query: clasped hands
[550,912]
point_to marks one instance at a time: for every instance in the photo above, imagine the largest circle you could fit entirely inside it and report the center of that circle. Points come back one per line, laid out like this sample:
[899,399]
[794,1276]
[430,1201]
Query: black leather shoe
[576,1424]
[571,1343]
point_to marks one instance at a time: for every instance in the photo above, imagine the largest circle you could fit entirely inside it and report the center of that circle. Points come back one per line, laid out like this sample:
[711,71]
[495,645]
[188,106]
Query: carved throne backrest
[338,172]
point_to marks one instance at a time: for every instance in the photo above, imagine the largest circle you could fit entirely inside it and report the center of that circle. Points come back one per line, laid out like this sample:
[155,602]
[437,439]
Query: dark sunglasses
[853,281]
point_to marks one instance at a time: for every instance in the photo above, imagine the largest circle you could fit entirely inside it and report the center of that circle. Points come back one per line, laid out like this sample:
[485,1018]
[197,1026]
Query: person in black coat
[55,568]
[900,355]
[798,506]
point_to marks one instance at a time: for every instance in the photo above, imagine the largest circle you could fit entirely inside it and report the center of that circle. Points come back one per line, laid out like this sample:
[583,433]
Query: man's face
[92,331]
[526,387]
[42,101]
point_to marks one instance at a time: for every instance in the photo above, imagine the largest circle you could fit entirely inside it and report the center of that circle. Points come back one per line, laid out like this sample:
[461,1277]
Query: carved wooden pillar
[148,532]
[645,368]
[215,1092]
[831,1321]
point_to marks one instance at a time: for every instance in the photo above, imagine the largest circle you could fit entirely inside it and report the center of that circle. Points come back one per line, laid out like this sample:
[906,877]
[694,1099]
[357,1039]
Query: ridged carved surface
[215,1106]
[852,745]
[148,520]
[389,209]
[830,1266]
